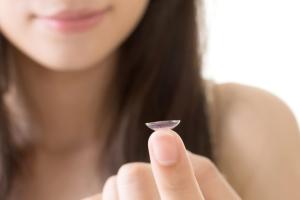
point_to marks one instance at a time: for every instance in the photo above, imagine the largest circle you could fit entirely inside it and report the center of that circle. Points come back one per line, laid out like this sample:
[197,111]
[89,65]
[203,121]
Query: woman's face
[84,34]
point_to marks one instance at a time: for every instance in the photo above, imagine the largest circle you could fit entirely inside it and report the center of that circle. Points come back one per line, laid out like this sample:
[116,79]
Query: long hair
[158,78]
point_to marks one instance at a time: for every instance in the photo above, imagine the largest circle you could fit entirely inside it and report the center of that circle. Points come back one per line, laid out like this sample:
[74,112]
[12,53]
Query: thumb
[171,166]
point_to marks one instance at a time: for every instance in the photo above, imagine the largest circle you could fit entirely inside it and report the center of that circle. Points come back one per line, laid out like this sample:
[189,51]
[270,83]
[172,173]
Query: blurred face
[69,34]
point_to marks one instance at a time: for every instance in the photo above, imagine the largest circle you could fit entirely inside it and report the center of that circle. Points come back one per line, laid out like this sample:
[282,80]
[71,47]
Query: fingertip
[160,133]
[172,175]
[163,147]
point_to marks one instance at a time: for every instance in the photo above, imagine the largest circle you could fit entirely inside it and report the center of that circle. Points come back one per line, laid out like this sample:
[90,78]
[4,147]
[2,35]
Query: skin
[257,141]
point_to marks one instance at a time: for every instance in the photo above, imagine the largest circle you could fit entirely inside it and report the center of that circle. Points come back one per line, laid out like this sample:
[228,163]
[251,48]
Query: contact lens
[170,124]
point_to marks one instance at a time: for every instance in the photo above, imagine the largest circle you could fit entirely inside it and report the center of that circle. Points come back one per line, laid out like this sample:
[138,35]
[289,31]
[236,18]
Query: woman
[80,78]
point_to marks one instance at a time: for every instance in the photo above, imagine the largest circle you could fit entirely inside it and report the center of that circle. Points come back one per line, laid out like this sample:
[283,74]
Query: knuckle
[111,181]
[205,169]
[176,183]
[208,165]
[132,173]
[176,186]
[109,190]
[179,185]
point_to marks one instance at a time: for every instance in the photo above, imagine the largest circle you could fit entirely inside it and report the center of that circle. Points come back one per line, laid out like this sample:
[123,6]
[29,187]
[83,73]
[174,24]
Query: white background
[256,42]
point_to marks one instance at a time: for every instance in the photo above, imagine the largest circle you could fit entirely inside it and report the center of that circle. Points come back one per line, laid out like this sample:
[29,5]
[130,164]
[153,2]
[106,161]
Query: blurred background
[255,42]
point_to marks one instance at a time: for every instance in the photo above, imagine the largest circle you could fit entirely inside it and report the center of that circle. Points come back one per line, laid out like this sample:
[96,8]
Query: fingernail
[164,147]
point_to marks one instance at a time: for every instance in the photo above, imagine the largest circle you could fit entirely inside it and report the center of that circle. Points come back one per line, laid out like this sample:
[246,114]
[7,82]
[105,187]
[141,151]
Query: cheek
[12,21]
[61,51]
[128,15]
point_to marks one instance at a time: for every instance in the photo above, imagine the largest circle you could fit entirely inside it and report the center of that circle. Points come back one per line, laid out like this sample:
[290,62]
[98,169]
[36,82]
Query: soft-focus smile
[73,21]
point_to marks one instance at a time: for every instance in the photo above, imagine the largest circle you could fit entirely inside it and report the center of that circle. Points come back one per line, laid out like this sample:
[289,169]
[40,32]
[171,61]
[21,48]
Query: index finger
[171,167]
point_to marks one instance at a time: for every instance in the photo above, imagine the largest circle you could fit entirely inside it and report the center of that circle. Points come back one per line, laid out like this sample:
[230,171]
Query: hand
[174,174]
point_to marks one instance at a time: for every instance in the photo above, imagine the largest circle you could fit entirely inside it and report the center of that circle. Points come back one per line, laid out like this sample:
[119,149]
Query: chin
[67,63]
[64,67]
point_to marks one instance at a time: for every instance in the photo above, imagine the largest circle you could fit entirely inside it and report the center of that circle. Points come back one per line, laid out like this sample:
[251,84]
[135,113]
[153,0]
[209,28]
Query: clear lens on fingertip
[170,124]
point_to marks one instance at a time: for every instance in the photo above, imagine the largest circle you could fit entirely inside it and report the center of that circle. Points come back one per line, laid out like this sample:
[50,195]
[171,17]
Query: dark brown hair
[159,78]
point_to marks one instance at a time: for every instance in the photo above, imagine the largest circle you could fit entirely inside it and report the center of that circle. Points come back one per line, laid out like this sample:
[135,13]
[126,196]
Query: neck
[69,109]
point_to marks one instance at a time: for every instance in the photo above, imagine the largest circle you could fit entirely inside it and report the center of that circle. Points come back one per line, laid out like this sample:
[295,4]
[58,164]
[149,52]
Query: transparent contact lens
[170,124]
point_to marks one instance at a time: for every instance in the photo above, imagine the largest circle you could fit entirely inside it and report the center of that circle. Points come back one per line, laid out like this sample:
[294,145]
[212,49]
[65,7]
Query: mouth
[73,20]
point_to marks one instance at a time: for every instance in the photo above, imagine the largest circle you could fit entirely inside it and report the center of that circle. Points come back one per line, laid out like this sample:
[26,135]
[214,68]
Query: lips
[73,15]
[73,20]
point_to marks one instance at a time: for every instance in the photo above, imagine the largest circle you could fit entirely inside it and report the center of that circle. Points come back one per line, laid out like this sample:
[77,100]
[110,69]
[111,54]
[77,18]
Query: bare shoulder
[257,143]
